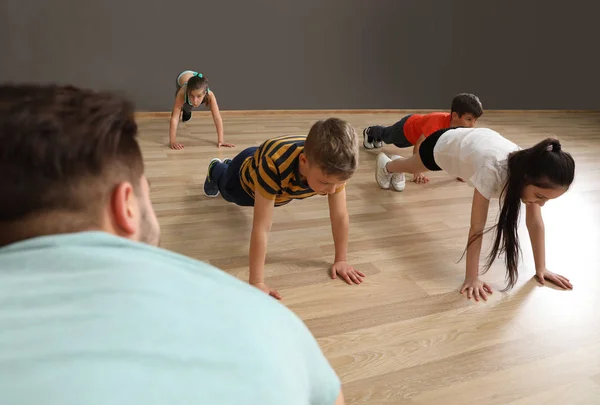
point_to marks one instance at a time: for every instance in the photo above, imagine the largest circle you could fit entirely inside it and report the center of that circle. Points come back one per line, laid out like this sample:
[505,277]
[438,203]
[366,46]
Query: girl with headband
[192,91]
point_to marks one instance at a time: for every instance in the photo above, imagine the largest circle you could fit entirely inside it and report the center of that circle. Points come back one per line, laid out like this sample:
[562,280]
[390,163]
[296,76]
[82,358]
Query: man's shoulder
[136,262]
[91,247]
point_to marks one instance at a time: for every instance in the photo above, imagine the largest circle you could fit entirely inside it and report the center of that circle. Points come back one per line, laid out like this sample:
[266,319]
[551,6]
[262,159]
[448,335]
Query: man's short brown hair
[63,149]
[332,145]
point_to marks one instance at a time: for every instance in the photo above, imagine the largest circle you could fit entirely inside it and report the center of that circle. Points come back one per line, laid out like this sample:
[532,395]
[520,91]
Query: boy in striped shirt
[286,168]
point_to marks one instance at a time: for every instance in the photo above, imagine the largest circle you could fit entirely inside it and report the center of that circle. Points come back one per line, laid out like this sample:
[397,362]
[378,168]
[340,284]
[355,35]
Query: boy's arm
[340,222]
[216,114]
[261,226]
[418,144]
[419,178]
[537,235]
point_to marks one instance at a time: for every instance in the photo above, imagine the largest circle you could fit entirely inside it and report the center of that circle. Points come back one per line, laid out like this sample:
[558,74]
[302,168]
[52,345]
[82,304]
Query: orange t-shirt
[425,124]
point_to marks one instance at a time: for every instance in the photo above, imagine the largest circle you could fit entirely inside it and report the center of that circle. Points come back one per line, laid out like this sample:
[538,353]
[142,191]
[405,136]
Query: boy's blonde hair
[332,145]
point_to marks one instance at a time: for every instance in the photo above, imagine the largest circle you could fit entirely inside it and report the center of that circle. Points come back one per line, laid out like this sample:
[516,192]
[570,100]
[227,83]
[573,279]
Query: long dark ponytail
[543,165]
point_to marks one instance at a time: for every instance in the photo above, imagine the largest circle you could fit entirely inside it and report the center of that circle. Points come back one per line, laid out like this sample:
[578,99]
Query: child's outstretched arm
[419,178]
[340,222]
[175,114]
[418,144]
[216,114]
[261,226]
[473,286]
[537,235]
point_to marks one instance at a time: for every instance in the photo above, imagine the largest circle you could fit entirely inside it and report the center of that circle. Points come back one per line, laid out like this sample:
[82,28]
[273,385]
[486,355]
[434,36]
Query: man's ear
[125,209]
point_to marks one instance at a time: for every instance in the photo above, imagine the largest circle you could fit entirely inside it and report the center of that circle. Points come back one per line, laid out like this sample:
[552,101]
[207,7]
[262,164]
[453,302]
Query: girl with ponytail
[496,168]
[192,91]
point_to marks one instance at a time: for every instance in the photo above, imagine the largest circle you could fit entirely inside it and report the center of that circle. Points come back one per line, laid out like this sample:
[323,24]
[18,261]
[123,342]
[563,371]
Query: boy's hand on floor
[420,178]
[347,272]
[176,146]
[225,145]
[265,288]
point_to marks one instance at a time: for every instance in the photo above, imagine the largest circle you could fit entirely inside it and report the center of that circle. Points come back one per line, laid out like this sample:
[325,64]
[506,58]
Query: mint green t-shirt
[93,319]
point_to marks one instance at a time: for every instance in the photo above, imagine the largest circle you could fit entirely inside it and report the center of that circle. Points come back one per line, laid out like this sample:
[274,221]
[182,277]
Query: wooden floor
[406,336]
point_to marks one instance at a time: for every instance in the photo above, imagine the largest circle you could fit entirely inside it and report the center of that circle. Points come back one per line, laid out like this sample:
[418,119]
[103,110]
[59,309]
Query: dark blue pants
[227,177]
[392,134]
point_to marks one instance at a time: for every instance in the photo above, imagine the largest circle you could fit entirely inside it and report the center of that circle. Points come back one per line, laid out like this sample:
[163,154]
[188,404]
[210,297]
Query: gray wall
[312,54]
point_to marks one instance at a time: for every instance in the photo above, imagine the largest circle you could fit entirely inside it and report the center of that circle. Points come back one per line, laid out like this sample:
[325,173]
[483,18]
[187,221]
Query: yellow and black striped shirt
[273,171]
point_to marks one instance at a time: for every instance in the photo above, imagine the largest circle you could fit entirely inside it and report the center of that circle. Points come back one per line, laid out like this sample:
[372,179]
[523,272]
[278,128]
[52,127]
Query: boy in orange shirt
[414,128]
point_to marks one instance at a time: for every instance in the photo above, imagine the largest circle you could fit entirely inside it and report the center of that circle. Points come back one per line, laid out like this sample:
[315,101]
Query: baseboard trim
[167,114]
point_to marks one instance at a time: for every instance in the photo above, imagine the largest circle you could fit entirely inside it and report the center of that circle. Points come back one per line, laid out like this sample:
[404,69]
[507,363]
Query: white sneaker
[366,142]
[398,180]
[382,176]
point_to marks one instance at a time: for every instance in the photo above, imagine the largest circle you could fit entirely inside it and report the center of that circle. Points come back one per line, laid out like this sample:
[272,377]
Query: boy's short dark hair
[466,103]
[63,150]
[332,145]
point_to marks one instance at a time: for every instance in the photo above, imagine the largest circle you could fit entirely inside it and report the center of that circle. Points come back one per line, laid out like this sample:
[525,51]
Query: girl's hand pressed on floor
[476,289]
[556,279]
